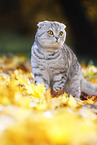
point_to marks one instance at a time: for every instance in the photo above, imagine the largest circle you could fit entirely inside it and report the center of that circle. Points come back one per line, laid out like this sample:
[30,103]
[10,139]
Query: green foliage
[15,44]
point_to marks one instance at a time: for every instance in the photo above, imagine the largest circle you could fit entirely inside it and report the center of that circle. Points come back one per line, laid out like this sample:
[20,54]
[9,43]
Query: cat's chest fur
[57,61]
[52,61]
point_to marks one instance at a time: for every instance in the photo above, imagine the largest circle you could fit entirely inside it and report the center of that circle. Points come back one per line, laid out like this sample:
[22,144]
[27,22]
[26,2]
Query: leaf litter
[31,114]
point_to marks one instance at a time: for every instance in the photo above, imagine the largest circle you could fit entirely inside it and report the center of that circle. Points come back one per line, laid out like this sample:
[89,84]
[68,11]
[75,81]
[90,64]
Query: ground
[30,115]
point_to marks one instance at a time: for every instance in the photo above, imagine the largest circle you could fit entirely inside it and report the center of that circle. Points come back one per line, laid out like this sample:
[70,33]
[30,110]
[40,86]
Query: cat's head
[51,34]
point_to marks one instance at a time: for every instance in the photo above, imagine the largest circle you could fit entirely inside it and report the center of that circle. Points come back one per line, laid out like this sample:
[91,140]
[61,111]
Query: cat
[54,64]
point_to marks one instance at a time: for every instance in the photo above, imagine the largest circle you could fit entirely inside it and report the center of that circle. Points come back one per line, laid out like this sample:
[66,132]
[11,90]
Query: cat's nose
[56,38]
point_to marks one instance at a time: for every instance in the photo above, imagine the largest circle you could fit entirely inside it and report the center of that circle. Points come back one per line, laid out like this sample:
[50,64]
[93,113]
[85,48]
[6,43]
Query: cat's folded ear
[41,24]
[62,25]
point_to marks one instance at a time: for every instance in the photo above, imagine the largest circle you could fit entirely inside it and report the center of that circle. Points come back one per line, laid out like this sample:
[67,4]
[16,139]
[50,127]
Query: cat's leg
[41,76]
[59,81]
[73,86]
[42,79]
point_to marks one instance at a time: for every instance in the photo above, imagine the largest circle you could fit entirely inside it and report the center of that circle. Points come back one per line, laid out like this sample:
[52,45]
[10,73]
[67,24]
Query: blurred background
[19,18]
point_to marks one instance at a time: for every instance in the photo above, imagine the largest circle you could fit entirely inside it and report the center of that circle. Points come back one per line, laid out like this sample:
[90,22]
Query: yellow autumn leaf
[89,101]
[5,101]
[64,98]
[23,101]
[36,91]
[72,102]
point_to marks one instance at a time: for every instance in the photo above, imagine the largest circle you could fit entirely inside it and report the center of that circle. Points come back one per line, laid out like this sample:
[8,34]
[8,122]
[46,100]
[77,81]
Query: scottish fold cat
[54,64]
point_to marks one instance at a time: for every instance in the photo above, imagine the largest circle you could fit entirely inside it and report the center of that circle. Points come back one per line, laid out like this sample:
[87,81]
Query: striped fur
[54,64]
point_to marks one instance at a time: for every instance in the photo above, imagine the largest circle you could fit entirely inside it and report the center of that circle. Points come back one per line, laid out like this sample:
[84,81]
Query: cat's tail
[88,88]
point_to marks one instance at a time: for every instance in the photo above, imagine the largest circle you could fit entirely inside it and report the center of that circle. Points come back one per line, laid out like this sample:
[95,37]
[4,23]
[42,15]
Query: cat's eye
[50,32]
[60,33]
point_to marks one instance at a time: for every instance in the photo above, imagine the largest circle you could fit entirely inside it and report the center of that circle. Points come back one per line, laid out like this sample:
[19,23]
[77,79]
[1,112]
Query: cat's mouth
[57,42]
[56,38]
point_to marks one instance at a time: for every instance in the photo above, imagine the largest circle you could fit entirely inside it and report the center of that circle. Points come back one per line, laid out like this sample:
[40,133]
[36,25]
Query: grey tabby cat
[54,64]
